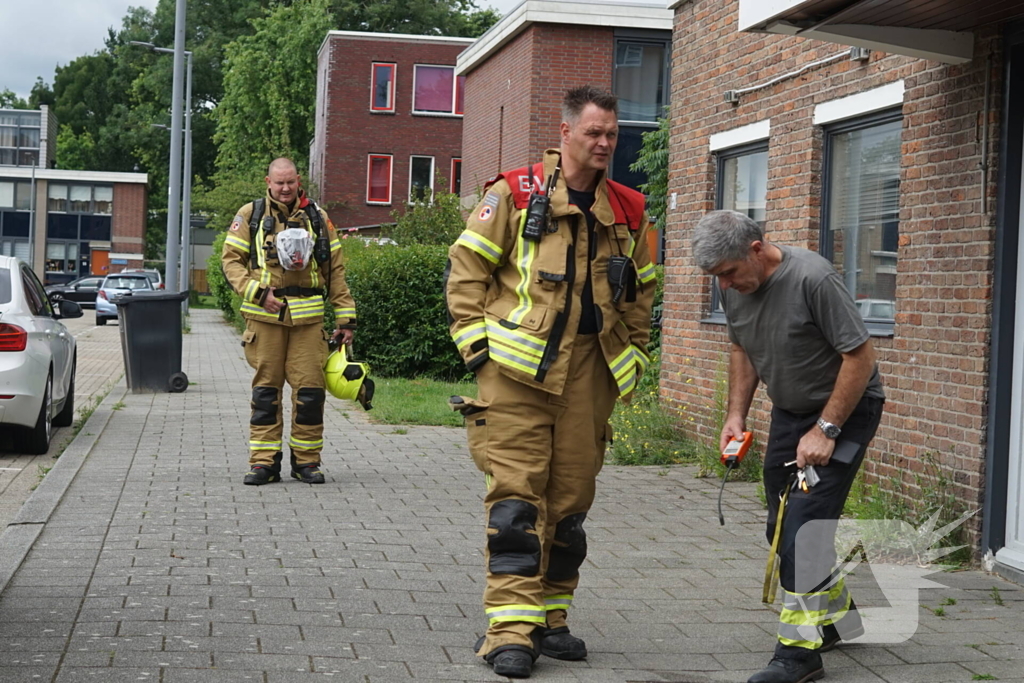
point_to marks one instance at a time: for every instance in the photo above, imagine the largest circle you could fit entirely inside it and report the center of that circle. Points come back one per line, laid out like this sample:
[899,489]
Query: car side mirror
[67,309]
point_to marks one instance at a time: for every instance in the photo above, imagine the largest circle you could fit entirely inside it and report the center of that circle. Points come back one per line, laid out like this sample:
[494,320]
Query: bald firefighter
[281,254]
[549,293]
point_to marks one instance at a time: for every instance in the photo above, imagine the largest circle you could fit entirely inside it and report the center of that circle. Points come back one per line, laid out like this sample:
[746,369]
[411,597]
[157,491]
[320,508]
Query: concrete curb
[19,536]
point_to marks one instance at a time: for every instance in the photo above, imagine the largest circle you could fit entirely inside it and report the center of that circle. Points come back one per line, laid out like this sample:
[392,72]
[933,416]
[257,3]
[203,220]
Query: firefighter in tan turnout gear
[549,292]
[280,255]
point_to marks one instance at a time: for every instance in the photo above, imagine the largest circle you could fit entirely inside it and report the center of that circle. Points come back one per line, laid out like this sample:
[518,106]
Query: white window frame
[391,177]
[394,87]
[433,170]
[455,91]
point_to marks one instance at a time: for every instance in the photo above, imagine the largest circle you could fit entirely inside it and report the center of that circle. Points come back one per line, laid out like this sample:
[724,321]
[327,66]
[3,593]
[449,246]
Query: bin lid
[140,296]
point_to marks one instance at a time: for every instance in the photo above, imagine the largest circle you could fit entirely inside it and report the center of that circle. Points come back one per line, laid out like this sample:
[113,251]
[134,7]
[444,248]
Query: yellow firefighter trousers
[280,353]
[542,454]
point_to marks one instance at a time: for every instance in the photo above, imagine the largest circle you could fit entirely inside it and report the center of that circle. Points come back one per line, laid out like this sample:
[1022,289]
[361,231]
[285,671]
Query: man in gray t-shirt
[793,326]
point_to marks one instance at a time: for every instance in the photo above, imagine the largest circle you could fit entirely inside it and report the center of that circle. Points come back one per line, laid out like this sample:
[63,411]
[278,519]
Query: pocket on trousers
[249,346]
[476,433]
[607,438]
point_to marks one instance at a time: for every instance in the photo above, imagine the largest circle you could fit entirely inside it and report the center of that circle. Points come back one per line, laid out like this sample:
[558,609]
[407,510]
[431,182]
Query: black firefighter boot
[791,669]
[514,661]
[259,475]
[560,644]
[309,473]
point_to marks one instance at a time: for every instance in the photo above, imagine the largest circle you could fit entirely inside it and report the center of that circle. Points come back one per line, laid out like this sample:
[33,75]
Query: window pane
[383,86]
[21,250]
[457,176]
[626,152]
[96,228]
[421,179]
[55,250]
[6,195]
[104,197]
[8,136]
[81,198]
[29,137]
[57,195]
[434,89]
[640,80]
[379,180]
[28,157]
[15,224]
[62,227]
[23,196]
[745,185]
[863,218]
[8,157]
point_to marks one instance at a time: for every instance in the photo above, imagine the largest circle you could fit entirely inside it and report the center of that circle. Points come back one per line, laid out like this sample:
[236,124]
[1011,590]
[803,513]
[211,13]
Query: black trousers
[823,502]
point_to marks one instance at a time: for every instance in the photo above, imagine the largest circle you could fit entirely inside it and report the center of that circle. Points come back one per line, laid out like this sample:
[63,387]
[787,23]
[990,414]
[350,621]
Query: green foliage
[223,295]
[437,222]
[428,17]
[418,401]
[653,160]
[403,328]
[656,309]
[10,100]
[75,151]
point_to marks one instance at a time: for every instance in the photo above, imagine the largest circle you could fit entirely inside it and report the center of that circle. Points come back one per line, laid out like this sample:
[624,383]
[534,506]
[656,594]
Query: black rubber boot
[309,474]
[787,670]
[514,661]
[560,644]
[259,475]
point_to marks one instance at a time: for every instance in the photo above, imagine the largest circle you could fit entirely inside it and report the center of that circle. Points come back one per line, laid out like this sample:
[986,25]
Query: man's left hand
[814,448]
[343,336]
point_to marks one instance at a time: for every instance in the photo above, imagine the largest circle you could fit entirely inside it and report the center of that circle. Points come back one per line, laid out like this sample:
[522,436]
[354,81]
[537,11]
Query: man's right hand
[734,427]
[271,304]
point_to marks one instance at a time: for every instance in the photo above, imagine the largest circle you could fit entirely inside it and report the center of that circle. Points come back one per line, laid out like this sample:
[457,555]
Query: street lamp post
[186,206]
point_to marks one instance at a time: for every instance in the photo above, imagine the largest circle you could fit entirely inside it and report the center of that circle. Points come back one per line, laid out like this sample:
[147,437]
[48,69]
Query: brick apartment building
[66,224]
[901,163]
[517,73]
[389,111]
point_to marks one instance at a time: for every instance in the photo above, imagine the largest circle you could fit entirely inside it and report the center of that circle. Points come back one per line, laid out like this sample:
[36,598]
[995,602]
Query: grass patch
[417,401]
[202,301]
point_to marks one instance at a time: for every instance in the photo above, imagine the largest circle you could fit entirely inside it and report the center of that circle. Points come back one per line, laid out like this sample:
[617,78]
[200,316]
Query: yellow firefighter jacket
[253,274]
[517,303]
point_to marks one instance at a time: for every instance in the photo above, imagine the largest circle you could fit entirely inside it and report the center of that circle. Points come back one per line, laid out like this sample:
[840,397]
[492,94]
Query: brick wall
[935,366]
[514,98]
[128,223]
[350,132]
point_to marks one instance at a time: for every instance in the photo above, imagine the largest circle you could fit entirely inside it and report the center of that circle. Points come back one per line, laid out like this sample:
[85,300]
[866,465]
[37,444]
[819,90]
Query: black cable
[728,468]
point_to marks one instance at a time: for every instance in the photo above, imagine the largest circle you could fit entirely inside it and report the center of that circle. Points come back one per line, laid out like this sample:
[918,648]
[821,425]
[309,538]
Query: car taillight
[103,295]
[12,338]
[160,286]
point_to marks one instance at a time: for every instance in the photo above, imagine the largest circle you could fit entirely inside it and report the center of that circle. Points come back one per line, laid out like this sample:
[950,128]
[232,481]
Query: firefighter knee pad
[264,408]
[309,406]
[569,548]
[515,547]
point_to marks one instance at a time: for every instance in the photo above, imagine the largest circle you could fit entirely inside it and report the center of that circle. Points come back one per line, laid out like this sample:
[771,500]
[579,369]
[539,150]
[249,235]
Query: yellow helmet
[348,379]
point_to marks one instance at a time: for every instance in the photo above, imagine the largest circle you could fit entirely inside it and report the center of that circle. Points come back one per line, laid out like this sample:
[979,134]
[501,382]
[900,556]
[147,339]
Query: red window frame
[393,68]
[369,177]
[460,95]
[456,161]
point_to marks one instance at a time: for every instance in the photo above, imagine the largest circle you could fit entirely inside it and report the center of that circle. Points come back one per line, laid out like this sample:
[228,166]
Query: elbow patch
[265,406]
[512,539]
[569,548]
[309,406]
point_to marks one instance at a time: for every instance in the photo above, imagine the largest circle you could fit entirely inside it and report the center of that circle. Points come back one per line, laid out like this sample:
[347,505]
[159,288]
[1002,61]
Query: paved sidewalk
[159,565]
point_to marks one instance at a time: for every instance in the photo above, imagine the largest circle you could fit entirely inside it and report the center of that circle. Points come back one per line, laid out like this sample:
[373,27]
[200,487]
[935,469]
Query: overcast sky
[71,28]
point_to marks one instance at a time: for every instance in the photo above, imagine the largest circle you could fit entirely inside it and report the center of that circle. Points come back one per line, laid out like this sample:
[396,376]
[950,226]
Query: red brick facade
[514,98]
[935,366]
[128,222]
[347,132]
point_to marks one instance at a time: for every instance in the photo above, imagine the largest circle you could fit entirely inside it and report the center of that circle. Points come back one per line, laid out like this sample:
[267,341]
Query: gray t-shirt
[794,329]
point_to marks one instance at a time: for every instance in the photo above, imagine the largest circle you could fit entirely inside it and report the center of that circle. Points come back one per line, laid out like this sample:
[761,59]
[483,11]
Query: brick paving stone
[159,565]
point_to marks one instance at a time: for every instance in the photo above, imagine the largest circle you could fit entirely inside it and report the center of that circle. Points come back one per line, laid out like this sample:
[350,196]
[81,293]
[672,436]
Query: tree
[427,17]
[653,160]
[10,100]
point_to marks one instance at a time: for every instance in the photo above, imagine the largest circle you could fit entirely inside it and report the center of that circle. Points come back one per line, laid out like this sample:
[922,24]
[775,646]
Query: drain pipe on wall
[983,164]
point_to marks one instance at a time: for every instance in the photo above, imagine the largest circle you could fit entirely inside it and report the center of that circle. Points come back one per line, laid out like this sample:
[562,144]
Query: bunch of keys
[806,478]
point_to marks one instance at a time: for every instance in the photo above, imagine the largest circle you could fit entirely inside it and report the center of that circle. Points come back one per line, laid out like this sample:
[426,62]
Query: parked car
[154,275]
[37,358]
[114,286]
[82,291]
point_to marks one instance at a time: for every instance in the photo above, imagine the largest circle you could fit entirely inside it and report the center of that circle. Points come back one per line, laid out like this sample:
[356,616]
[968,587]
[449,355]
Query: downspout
[984,136]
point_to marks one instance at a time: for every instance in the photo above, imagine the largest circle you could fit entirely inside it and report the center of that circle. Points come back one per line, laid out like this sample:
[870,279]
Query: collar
[560,205]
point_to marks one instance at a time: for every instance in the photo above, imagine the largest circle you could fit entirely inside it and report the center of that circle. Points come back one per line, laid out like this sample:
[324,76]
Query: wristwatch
[831,430]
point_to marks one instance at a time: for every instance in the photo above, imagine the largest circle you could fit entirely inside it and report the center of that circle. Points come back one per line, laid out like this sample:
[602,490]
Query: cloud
[53,32]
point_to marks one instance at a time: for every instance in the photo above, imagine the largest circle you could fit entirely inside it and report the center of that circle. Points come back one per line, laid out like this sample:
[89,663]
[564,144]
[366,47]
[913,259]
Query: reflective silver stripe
[519,338]
[237,242]
[481,245]
[517,613]
[647,273]
[306,445]
[803,635]
[345,312]
[621,361]
[470,334]
[558,602]
[811,602]
[502,356]
[264,445]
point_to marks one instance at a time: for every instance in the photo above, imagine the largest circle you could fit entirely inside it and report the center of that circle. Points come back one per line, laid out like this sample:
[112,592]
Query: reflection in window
[437,91]
[383,88]
[742,187]
[640,80]
[23,196]
[421,179]
[861,234]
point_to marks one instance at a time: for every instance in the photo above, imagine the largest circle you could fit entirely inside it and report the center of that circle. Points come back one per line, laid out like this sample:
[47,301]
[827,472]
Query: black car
[82,291]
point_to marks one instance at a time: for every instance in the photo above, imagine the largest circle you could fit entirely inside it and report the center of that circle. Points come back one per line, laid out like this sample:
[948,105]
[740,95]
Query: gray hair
[723,236]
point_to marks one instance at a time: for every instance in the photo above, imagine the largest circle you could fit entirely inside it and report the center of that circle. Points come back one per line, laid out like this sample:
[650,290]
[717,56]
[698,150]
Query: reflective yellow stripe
[264,445]
[305,445]
[647,273]
[801,615]
[250,290]
[527,253]
[469,334]
[641,358]
[632,246]
[335,244]
[256,310]
[345,313]
[528,613]
[476,242]
[529,345]
[557,602]
[238,242]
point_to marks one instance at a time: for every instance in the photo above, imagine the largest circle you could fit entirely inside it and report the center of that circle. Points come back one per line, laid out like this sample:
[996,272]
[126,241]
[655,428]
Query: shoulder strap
[255,245]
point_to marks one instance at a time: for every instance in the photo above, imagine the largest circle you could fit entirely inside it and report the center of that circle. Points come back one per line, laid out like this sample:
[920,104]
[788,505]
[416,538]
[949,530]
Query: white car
[37,360]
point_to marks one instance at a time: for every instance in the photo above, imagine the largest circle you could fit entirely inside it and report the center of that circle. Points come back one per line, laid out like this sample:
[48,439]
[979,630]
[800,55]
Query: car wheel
[101,320]
[38,441]
[67,414]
